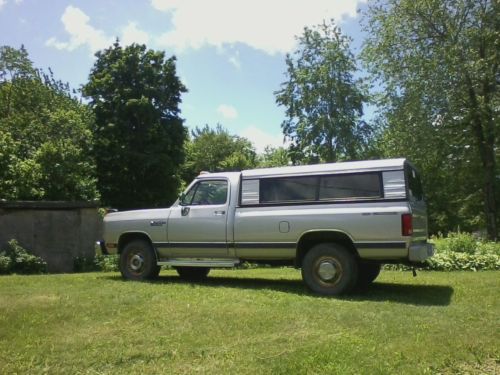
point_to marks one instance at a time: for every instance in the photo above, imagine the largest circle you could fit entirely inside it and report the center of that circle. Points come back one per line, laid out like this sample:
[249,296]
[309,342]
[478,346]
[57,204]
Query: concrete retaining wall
[58,232]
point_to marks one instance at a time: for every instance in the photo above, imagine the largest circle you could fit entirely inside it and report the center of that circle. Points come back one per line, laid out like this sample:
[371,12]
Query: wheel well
[125,238]
[311,239]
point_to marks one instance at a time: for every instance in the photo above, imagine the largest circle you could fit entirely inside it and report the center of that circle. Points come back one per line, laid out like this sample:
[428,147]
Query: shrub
[107,263]
[460,252]
[5,264]
[457,242]
[488,248]
[455,261]
[85,264]
[15,259]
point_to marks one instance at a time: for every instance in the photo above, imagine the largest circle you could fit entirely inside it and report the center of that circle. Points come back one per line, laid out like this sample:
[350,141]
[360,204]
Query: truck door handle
[219,213]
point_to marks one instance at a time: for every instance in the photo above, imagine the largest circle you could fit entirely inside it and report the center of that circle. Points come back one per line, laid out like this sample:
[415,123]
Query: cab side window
[210,192]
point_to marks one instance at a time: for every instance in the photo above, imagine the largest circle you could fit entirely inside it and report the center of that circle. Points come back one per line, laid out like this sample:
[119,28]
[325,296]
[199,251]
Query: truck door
[197,227]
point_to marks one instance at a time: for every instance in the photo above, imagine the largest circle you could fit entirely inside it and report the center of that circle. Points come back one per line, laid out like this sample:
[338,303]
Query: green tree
[139,135]
[45,137]
[274,157]
[438,62]
[216,150]
[323,101]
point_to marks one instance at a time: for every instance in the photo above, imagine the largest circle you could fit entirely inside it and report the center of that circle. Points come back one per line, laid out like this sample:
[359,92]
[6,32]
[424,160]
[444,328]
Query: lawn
[249,322]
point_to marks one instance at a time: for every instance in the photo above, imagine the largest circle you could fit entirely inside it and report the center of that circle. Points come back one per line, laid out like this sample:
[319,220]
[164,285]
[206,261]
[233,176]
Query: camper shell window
[338,187]
[354,186]
[290,189]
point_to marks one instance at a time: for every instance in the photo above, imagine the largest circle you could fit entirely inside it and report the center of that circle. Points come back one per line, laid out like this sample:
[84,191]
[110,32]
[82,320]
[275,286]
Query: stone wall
[58,232]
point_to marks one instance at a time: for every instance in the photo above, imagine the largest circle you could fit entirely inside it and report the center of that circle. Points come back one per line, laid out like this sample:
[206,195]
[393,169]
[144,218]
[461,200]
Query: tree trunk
[331,157]
[490,205]
[486,146]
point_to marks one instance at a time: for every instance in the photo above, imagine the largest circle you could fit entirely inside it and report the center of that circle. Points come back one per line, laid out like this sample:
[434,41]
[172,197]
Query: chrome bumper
[420,252]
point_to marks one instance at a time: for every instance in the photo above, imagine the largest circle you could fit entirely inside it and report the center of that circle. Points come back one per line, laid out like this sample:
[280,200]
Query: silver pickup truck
[337,222]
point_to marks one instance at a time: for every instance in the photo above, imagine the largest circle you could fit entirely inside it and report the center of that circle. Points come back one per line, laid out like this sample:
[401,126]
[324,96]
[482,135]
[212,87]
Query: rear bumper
[420,252]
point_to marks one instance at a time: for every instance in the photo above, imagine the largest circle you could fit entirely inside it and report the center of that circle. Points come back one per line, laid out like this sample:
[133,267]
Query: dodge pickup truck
[337,222]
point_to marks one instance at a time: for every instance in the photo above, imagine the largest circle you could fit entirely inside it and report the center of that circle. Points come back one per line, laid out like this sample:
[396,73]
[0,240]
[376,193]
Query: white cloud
[227,111]
[81,33]
[231,53]
[261,139]
[52,42]
[4,2]
[235,60]
[165,5]
[265,25]
[132,34]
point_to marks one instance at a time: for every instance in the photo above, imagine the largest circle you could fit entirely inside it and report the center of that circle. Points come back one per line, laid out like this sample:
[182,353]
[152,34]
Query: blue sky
[231,53]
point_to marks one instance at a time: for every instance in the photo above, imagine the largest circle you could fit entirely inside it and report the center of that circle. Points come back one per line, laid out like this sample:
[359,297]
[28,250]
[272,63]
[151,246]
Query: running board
[216,263]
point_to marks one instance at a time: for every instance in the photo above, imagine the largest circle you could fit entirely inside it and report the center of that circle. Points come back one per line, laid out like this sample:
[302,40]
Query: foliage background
[432,71]
[45,135]
[139,134]
[437,64]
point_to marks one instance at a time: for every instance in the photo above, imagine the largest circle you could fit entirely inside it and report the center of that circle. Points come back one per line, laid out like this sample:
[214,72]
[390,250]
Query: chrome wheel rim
[328,271]
[136,262]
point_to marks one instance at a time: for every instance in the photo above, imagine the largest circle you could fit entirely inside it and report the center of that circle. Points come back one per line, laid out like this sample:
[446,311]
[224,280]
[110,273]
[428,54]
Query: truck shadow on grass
[420,295]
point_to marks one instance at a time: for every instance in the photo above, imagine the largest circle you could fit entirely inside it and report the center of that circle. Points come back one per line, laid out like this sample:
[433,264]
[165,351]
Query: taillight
[406,225]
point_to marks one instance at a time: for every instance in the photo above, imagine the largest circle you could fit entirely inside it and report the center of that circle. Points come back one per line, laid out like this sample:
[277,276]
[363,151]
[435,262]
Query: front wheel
[138,261]
[329,269]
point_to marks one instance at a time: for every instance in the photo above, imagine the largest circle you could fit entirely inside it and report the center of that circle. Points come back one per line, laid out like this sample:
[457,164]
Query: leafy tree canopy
[139,134]
[323,101]
[45,137]
[215,150]
[274,157]
[438,64]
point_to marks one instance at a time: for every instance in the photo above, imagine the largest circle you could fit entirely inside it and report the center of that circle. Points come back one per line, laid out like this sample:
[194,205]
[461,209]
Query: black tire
[330,269]
[367,273]
[138,261]
[193,273]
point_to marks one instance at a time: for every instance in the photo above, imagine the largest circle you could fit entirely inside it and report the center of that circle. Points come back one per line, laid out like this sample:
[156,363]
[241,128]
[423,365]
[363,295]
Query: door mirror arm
[182,196]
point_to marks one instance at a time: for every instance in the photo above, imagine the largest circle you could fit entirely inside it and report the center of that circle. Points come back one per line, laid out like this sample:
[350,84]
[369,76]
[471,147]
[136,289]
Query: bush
[456,261]
[457,242]
[15,259]
[460,252]
[488,248]
[5,264]
[107,263]
[85,264]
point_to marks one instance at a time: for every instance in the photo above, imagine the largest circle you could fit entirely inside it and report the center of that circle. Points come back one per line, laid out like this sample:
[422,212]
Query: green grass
[249,322]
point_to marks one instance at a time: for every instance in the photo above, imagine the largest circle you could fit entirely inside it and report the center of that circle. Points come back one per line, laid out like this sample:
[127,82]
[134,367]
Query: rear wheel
[138,261]
[367,273]
[329,269]
[193,273]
